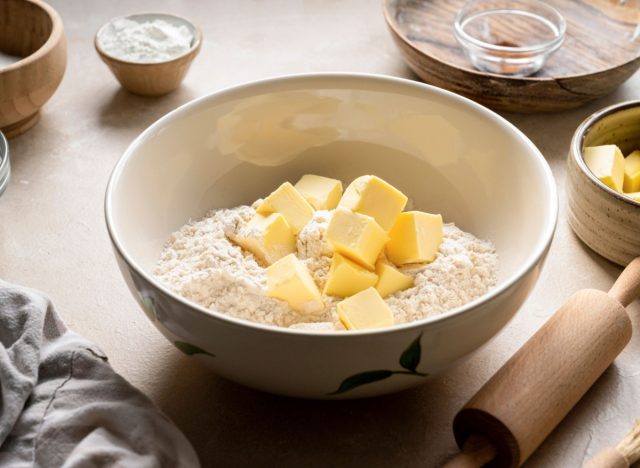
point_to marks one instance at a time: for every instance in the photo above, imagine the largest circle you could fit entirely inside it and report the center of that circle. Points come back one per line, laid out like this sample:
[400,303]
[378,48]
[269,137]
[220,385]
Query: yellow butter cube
[374,197]
[287,201]
[288,279]
[356,236]
[607,164]
[415,238]
[347,278]
[322,193]
[391,280]
[634,196]
[268,237]
[632,172]
[365,310]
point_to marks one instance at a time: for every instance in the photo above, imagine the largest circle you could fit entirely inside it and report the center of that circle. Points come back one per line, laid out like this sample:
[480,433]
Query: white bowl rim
[578,140]
[531,261]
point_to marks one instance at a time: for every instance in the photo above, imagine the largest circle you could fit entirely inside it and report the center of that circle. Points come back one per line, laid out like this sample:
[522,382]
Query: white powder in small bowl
[203,264]
[145,41]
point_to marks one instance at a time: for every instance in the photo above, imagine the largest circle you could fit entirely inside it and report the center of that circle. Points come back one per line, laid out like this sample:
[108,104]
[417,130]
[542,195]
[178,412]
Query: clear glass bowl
[5,167]
[509,37]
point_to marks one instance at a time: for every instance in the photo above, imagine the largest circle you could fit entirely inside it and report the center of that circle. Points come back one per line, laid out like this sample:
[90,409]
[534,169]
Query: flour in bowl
[145,41]
[202,263]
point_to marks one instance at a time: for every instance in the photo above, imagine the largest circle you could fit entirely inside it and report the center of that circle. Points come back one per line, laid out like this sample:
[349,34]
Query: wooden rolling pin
[525,400]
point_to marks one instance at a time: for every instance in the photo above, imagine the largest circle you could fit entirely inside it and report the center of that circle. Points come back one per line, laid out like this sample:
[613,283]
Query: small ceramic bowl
[607,221]
[5,165]
[151,78]
[31,31]
[447,153]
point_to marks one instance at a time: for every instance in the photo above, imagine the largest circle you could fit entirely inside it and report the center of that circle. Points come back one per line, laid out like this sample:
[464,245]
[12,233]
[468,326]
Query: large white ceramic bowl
[448,154]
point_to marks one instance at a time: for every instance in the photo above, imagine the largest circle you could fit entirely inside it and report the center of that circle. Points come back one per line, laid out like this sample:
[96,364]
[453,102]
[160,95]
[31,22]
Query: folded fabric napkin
[62,405]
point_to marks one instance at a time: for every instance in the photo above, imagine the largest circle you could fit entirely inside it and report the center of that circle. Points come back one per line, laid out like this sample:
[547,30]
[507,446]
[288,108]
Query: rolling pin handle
[476,452]
[627,286]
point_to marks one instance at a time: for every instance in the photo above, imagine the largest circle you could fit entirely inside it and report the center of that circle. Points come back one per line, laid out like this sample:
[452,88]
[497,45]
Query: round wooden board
[601,50]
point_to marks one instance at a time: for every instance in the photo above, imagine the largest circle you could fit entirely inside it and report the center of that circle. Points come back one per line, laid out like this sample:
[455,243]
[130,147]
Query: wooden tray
[601,50]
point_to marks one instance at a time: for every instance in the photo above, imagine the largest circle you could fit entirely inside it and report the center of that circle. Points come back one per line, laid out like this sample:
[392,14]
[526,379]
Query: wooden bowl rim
[57,32]
[578,139]
[195,47]
[532,79]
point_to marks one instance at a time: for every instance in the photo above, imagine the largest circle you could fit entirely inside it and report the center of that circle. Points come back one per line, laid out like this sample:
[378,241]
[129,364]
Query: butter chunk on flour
[289,280]
[391,280]
[365,310]
[372,196]
[356,236]
[291,204]
[322,193]
[268,237]
[347,278]
[415,238]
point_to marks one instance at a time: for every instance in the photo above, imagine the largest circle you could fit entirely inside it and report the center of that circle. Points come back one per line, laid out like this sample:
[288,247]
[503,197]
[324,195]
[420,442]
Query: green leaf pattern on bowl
[191,349]
[409,360]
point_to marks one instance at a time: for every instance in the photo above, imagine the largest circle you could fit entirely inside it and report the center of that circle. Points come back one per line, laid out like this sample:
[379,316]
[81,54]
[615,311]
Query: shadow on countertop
[124,110]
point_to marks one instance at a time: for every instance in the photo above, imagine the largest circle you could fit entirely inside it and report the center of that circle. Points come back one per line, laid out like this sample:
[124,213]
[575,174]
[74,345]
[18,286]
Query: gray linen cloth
[62,403]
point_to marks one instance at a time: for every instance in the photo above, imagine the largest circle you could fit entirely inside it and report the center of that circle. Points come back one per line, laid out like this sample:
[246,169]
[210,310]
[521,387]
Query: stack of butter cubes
[621,174]
[370,234]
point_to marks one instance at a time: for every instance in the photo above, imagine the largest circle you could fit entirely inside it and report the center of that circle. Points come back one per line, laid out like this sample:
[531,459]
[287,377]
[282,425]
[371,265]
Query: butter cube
[607,164]
[268,237]
[347,278]
[390,279]
[632,172]
[356,236]
[365,310]
[287,201]
[634,196]
[372,196]
[288,279]
[415,238]
[322,193]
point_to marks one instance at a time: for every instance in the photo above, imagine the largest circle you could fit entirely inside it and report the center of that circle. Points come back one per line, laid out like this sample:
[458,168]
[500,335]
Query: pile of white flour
[202,263]
[145,42]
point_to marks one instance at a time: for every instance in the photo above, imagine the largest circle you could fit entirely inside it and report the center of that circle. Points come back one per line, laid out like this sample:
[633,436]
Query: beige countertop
[53,237]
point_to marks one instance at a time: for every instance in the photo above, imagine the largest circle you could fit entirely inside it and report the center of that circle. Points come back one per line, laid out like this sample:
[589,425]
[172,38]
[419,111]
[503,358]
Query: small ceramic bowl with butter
[149,53]
[604,182]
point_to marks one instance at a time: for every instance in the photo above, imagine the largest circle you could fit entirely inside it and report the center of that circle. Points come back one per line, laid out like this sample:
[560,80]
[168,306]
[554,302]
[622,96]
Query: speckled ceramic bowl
[447,153]
[607,221]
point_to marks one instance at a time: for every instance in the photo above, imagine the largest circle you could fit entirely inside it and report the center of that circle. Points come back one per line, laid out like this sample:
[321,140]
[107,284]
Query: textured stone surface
[53,237]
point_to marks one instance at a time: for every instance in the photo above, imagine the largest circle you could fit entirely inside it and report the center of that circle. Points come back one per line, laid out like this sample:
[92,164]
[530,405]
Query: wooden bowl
[599,53]
[33,30]
[157,78]
[607,221]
